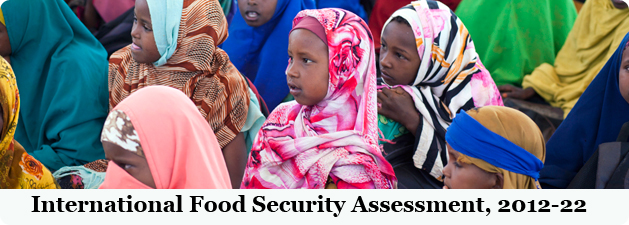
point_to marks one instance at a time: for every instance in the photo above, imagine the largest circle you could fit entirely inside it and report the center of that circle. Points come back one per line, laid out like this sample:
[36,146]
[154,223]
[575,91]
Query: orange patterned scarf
[198,68]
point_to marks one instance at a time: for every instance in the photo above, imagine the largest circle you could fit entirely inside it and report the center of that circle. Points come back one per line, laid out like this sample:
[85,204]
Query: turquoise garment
[61,72]
[390,129]
[165,18]
[255,119]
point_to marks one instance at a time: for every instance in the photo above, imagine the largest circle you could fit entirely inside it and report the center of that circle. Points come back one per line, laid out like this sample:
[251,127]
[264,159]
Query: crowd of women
[312,93]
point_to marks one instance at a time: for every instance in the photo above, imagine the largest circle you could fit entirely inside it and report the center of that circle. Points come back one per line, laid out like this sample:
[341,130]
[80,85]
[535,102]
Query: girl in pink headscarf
[327,137]
[156,138]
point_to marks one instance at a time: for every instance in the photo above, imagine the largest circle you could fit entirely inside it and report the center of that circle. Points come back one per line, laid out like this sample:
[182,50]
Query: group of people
[260,94]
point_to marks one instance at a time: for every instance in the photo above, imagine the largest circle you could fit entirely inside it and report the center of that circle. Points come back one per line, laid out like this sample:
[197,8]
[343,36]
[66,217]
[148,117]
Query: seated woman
[61,70]
[431,71]
[257,44]
[187,58]
[599,29]
[327,137]
[595,119]
[514,37]
[156,138]
[17,168]
[493,147]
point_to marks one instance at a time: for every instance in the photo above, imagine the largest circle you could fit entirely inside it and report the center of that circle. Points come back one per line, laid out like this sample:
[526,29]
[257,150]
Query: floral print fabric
[304,146]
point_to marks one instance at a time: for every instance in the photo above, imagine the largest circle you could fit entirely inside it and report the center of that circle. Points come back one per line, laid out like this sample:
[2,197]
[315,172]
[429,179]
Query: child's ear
[499,181]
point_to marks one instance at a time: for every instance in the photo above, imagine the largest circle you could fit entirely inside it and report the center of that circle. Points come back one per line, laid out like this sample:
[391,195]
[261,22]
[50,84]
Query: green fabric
[254,122]
[288,98]
[61,72]
[513,37]
[226,4]
[390,129]
[90,178]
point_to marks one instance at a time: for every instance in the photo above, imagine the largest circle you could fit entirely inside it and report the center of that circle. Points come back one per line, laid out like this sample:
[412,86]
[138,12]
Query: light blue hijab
[165,17]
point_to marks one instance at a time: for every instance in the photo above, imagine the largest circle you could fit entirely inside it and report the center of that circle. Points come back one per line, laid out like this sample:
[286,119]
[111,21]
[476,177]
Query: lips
[252,15]
[386,76]
[294,89]
[135,47]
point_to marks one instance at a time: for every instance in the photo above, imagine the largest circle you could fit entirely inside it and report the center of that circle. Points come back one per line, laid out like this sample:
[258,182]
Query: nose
[252,2]
[385,61]
[291,71]
[135,31]
[447,170]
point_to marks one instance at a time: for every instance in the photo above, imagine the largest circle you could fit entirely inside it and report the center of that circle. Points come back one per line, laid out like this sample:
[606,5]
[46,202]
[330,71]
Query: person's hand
[398,105]
[510,91]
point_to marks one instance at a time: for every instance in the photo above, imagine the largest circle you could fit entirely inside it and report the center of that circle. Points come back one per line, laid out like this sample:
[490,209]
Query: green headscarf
[513,37]
[61,71]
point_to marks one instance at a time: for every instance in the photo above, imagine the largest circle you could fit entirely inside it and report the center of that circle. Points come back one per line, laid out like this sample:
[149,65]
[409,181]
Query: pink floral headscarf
[303,146]
[450,78]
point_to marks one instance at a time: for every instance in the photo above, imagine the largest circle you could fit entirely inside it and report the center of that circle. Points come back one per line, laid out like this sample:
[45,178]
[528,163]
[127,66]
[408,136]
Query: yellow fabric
[597,32]
[17,168]
[516,127]
[2,17]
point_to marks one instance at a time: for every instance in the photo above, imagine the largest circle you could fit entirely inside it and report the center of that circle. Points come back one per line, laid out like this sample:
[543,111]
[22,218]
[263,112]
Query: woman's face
[307,75]
[134,164]
[467,176]
[5,45]
[623,75]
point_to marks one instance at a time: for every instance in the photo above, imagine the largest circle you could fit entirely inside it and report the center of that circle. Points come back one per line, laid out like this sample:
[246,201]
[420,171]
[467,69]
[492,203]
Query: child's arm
[235,154]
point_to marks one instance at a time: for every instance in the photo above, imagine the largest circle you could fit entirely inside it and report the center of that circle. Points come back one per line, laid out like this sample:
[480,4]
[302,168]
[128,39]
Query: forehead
[399,33]
[305,38]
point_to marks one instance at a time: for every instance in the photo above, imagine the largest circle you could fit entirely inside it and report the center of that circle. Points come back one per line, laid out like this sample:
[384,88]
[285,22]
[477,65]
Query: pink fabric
[313,25]
[112,9]
[180,147]
[301,146]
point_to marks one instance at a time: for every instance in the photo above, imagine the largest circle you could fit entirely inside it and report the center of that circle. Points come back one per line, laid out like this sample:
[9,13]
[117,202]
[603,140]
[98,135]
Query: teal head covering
[61,71]
[165,17]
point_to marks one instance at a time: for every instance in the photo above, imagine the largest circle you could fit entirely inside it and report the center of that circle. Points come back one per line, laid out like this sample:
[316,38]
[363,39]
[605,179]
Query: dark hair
[401,20]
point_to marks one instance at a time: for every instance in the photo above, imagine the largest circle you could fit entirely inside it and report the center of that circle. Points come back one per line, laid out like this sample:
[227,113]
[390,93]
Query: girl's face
[135,165]
[468,176]
[307,74]
[399,60]
[623,75]
[257,12]
[5,45]
[143,48]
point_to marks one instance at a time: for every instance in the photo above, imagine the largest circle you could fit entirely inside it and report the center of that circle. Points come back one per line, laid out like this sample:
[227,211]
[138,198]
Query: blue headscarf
[260,53]
[61,71]
[165,17]
[595,119]
[349,5]
[471,138]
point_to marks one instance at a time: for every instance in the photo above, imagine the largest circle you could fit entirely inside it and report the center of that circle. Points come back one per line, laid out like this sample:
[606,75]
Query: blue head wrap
[471,138]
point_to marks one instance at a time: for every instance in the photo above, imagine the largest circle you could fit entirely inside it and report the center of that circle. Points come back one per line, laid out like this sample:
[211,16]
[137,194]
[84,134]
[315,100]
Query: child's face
[623,75]
[619,4]
[5,45]
[143,48]
[257,12]
[307,74]
[135,165]
[399,60]
[467,176]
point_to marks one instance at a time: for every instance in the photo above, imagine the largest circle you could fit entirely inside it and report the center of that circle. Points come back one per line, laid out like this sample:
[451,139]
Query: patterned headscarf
[18,169]
[302,146]
[197,67]
[450,78]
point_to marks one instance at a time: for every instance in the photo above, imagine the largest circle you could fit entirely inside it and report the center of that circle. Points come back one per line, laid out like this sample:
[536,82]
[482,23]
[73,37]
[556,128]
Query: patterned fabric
[119,130]
[302,146]
[98,165]
[450,78]
[198,68]
[18,169]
